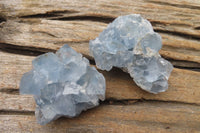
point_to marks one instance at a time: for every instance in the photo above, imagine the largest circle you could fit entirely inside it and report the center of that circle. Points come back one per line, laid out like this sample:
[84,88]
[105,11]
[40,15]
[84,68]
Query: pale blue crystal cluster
[130,43]
[63,84]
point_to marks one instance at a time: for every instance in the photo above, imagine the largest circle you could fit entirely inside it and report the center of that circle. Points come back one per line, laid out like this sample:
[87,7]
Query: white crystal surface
[63,84]
[130,43]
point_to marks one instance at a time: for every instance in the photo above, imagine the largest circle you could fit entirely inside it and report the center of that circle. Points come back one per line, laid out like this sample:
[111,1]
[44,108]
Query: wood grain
[182,13]
[47,35]
[45,26]
[183,84]
[142,117]
[30,27]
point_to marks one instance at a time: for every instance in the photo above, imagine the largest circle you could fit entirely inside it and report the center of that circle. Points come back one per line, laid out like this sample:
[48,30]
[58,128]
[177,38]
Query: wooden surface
[29,28]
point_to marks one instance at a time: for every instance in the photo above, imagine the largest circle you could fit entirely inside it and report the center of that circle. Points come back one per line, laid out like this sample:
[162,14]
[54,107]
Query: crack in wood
[195,66]
[16,112]
[139,101]
[197,28]
[197,69]
[165,23]
[125,102]
[23,50]
[49,14]
[2,20]
[45,15]
[11,91]
[104,19]
[180,34]
[47,33]
[189,50]
[120,102]
[174,5]
[56,15]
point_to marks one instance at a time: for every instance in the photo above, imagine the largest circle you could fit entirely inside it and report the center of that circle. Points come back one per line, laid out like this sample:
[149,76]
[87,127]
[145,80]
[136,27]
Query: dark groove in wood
[45,15]
[189,68]
[180,34]
[23,50]
[139,101]
[11,91]
[197,28]
[196,68]
[104,19]
[16,112]
[175,5]
[125,102]
[63,11]
[155,22]
[49,14]
[182,67]
[2,19]
[120,102]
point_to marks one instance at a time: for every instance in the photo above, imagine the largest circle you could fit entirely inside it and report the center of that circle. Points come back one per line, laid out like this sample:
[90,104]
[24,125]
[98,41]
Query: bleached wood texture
[30,27]
[48,25]
[142,117]
[184,85]
[45,35]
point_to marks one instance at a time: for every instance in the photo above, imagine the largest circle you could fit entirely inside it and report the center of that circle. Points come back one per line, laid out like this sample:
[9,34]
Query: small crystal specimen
[130,43]
[63,84]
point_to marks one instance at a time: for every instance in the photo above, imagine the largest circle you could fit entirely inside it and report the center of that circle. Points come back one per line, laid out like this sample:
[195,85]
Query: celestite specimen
[130,43]
[63,84]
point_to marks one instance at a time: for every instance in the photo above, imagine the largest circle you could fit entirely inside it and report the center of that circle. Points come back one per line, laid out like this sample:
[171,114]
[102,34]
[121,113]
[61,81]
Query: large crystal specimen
[63,84]
[130,43]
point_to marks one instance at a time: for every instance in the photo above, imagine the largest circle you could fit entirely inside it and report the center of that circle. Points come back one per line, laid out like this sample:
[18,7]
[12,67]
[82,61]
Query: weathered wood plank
[183,84]
[183,12]
[140,117]
[47,35]
[41,26]
[16,102]
[183,17]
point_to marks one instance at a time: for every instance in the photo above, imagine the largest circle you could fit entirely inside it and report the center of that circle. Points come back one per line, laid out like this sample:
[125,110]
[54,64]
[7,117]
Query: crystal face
[63,84]
[130,43]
